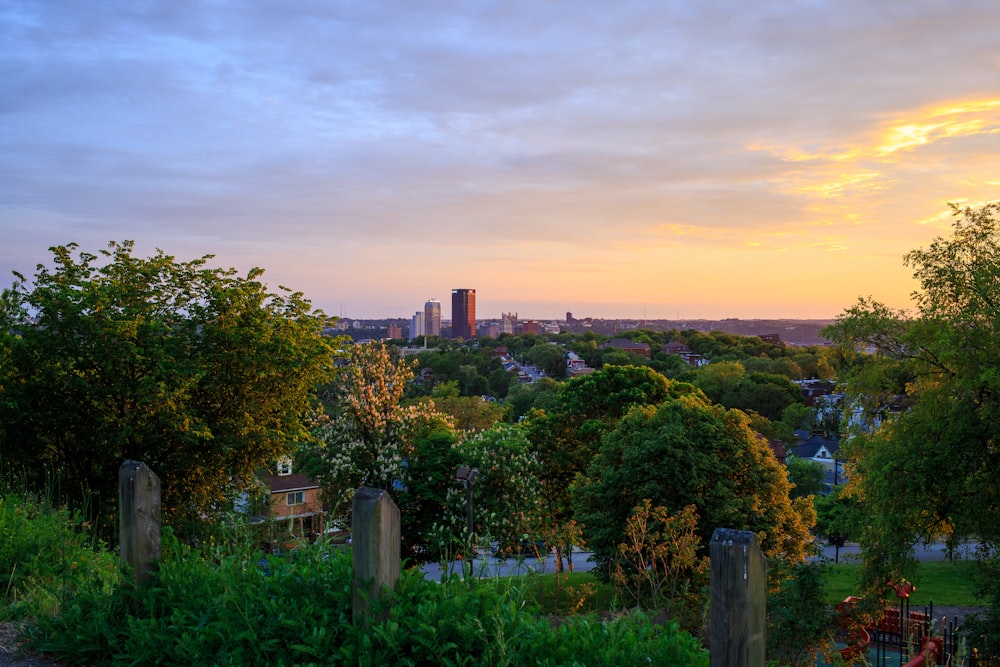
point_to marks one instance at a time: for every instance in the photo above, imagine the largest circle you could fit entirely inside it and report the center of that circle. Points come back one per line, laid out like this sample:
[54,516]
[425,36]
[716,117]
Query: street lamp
[467,476]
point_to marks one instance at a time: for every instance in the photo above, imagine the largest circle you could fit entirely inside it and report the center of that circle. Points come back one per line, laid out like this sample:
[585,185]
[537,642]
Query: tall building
[417,325]
[463,313]
[432,317]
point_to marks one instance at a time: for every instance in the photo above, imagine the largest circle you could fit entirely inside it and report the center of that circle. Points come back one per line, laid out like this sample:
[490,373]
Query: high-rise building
[432,317]
[463,313]
[417,325]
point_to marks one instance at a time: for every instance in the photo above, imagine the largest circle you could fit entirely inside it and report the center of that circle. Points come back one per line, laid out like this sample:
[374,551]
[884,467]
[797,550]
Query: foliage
[232,606]
[506,494]
[689,451]
[924,465]
[476,371]
[799,622]
[369,435]
[806,476]
[201,373]
[984,628]
[425,494]
[48,555]
[839,514]
[549,357]
[567,436]
[659,564]
[541,395]
[467,413]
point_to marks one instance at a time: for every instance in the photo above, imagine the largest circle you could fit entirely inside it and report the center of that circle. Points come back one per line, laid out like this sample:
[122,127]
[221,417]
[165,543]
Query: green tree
[806,476]
[764,393]
[468,413]
[928,469]
[685,452]
[548,357]
[201,373]
[424,497]
[719,379]
[567,436]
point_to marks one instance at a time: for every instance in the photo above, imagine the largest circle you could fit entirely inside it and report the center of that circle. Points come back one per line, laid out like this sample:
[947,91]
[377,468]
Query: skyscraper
[432,317]
[417,325]
[463,313]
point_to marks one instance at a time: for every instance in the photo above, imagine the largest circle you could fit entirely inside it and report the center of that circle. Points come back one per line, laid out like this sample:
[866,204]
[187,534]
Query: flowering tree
[368,436]
[507,493]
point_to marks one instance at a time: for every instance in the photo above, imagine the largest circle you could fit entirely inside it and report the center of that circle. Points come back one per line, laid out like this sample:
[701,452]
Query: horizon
[631,160]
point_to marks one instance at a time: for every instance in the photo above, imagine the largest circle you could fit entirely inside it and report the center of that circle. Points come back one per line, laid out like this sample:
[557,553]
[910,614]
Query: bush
[233,606]
[47,556]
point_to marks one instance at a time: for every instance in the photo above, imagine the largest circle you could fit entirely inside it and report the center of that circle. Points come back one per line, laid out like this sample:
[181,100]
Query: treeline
[740,372]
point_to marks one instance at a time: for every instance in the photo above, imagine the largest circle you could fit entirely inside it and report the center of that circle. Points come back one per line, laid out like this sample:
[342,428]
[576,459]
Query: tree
[764,393]
[928,469]
[425,495]
[468,413]
[368,435]
[507,492]
[204,375]
[548,357]
[685,452]
[806,476]
[567,437]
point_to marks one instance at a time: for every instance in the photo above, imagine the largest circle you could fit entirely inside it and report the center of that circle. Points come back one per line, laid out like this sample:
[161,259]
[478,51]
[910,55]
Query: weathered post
[375,550]
[139,519]
[737,624]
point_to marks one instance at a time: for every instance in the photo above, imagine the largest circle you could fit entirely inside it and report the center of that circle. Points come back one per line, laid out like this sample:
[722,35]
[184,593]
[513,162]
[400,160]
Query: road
[851,552]
[488,566]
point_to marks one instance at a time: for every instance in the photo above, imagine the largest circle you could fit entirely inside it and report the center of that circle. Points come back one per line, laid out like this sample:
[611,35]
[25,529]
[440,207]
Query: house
[575,365]
[821,448]
[293,505]
[684,352]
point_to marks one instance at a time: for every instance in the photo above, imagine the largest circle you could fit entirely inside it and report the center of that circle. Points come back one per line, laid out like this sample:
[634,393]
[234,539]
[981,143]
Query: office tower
[463,313]
[432,317]
[417,325]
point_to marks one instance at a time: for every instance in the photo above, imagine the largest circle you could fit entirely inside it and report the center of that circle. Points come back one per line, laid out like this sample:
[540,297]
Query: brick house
[293,503]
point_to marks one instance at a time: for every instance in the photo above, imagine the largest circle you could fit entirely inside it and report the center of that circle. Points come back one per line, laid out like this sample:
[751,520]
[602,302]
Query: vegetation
[231,605]
[203,374]
[688,451]
[923,463]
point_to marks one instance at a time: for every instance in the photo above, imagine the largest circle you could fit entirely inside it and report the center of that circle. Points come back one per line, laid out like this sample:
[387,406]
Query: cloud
[543,139]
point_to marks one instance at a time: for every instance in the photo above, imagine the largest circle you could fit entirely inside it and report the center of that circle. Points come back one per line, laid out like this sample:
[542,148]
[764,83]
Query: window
[284,466]
[295,498]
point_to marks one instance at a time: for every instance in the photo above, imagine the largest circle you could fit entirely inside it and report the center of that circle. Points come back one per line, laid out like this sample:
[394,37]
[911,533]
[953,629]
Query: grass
[949,583]
[941,582]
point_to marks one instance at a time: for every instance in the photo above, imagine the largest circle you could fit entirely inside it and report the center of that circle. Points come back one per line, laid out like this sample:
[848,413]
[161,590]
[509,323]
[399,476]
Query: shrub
[47,555]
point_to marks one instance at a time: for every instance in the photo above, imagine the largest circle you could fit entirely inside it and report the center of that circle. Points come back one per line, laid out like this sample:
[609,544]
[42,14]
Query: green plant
[658,563]
[799,623]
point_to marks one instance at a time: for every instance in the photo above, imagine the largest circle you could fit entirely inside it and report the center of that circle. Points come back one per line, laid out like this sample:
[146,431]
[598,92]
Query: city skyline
[630,160]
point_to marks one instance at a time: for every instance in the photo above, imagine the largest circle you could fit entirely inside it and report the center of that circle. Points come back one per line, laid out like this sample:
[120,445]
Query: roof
[808,448]
[295,482]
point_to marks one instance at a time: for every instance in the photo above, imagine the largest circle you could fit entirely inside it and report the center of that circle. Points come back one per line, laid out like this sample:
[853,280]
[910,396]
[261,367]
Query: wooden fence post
[139,519]
[375,548]
[737,607]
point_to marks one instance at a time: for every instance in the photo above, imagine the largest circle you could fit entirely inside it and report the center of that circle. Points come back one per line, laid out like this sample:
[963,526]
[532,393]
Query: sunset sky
[666,159]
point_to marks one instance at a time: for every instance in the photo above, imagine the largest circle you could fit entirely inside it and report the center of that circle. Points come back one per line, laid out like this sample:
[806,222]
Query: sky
[660,159]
